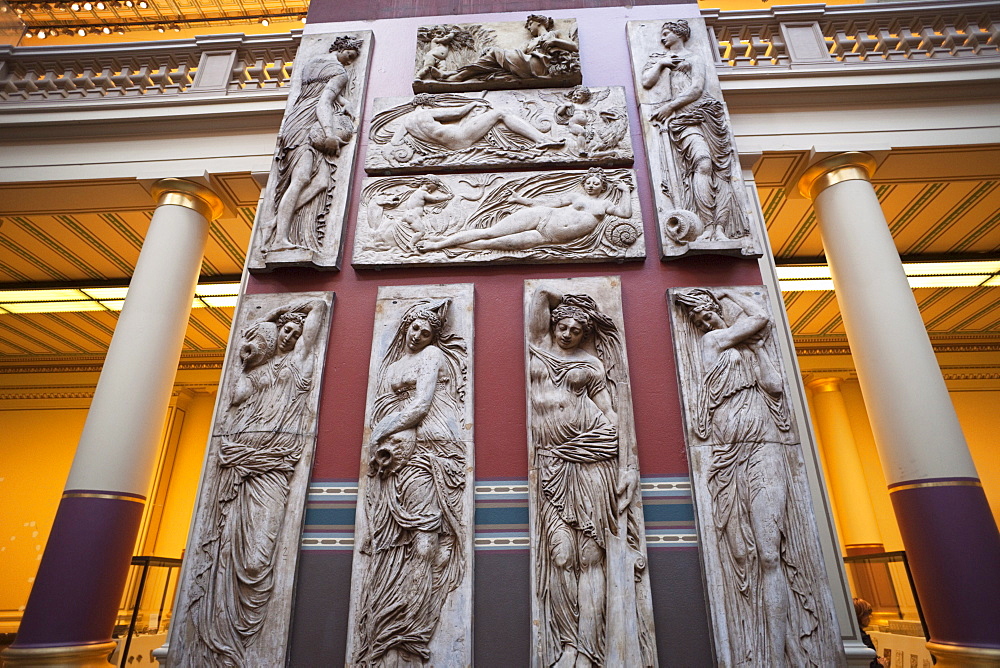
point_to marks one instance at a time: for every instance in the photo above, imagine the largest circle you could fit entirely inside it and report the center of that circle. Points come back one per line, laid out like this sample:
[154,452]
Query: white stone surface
[234,603]
[700,200]
[300,220]
[451,132]
[411,584]
[591,603]
[499,218]
[769,599]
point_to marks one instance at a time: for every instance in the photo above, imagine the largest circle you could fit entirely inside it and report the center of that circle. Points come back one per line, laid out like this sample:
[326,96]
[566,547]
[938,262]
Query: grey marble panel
[591,601]
[300,220]
[411,586]
[701,202]
[769,598]
[234,602]
[499,218]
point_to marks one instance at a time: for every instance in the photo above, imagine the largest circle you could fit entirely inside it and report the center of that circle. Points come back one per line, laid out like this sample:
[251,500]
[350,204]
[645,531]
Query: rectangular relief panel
[540,52]
[466,132]
[234,605]
[499,218]
[701,202]
[591,601]
[768,595]
[300,220]
[411,584]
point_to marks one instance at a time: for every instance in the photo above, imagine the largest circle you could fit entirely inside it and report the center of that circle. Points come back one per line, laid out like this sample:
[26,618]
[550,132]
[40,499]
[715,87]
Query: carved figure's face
[579,96]
[593,185]
[535,28]
[419,335]
[669,38]
[288,335]
[347,56]
[568,333]
[707,320]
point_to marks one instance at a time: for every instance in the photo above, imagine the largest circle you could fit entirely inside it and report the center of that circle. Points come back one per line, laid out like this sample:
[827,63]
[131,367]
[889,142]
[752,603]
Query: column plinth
[948,531]
[73,604]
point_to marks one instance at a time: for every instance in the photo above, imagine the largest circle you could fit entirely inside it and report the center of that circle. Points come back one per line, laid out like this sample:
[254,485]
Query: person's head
[431,184]
[703,309]
[422,327]
[347,49]
[536,24]
[595,181]
[570,326]
[579,94]
[422,100]
[863,611]
[258,344]
[290,329]
[674,32]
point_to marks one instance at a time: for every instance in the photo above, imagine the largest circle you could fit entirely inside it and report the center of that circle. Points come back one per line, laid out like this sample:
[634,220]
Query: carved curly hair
[679,27]
[564,311]
[347,43]
[538,18]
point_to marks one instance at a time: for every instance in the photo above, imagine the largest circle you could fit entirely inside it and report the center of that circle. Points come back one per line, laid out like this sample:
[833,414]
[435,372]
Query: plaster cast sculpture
[583,216]
[411,595]
[235,600]
[451,132]
[590,587]
[768,595]
[301,215]
[701,203]
[538,53]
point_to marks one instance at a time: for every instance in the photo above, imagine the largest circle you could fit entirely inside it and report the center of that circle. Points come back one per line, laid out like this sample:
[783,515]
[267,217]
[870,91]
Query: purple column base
[79,584]
[953,549]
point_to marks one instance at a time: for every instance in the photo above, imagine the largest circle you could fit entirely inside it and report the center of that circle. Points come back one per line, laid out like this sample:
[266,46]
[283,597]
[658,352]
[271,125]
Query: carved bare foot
[426,245]
[282,245]
[556,143]
[568,658]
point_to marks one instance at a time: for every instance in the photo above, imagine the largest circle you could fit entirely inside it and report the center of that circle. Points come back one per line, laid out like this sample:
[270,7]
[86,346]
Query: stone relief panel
[513,217]
[769,599]
[300,219]
[455,132]
[235,596]
[701,202]
[411,589]
[591,603]
[539,53]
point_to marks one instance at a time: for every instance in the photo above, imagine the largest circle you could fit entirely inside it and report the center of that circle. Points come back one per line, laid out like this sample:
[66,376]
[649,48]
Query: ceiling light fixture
[968,274]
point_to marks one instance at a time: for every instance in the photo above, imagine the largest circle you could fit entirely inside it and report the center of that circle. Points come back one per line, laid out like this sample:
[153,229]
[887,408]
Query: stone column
[949,533]
[74,601]
[844,472]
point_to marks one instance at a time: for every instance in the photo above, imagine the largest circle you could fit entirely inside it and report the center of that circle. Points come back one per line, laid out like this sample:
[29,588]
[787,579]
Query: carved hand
[663,113]
[627,487]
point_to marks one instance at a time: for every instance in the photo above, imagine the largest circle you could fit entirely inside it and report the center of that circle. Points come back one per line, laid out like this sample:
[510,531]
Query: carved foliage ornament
[769,598]
[234,603]
[590,587]
[411,593]
[301,215]
[701,201]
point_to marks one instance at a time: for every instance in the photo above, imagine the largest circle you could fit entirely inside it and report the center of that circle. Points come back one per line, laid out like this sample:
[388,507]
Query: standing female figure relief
[743,413]
[415,491]
[584,486]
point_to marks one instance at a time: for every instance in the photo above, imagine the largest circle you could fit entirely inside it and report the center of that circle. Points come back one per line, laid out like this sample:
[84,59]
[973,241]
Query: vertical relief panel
[300,220]
[411,587]
[769,598]
[591,601]
[701,204]
[237,584]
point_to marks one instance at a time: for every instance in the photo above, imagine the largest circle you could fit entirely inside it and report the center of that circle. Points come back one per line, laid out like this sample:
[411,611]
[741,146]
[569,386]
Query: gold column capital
[831,384]
[190,195]
[850,166]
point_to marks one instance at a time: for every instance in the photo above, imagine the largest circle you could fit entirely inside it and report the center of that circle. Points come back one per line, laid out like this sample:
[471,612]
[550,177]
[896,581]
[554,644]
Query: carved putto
[460,132]
[591,603]
[235,596]
[700,198]
[300,219]
[540,52]
[412,580]
[492,218]
[768,596]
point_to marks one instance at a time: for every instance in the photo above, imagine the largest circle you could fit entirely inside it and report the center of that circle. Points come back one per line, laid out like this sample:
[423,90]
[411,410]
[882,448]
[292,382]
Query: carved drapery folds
[507,218]
[449,132]
[301,215]
[769,599]
[701,203]
[590,586]
[538,53]
[236,589]
[411,594]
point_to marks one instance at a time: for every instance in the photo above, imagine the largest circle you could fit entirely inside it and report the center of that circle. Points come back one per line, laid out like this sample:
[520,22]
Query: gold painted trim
[91,495]
[948,655]
[938,483]
[92,655]
[189,195]
[851,166]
